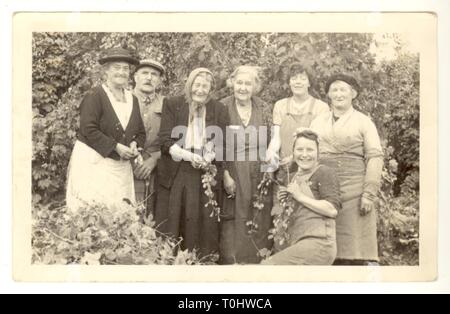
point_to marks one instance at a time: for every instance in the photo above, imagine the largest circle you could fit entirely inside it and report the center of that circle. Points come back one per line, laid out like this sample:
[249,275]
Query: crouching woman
[310,206]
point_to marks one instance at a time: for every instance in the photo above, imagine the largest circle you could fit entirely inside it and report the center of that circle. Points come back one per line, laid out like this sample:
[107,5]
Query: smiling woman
[313,193]
[181,210]
[111,130]
[293,112]
[243,175]
[350,144]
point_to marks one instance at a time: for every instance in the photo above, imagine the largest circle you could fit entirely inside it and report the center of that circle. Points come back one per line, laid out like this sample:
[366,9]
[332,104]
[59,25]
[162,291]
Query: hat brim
[154,66]
[350,80]
[129,60]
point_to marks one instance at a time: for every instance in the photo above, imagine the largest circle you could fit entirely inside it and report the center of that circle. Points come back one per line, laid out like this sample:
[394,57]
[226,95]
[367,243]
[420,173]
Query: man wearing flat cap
[148,77]
[350,144]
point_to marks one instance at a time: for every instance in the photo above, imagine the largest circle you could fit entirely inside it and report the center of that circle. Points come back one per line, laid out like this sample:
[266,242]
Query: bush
[398,230]
[398,222]
[97,235]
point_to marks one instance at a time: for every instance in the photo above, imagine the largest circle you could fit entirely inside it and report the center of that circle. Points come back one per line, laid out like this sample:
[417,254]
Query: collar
[347,113]
[343,117]
[143,96]
[153,99]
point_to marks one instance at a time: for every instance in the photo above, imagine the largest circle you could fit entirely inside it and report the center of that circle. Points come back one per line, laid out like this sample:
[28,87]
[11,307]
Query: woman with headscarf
[293,112]
[349,143]
[313,192]
[184,135]
[244,172]
[110,136]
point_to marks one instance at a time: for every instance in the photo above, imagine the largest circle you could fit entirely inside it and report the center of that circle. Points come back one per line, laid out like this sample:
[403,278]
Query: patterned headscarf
[188,89]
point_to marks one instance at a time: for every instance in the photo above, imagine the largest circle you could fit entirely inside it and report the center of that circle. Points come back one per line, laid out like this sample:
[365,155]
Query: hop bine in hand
[258,204]
[281,221]
[209,181]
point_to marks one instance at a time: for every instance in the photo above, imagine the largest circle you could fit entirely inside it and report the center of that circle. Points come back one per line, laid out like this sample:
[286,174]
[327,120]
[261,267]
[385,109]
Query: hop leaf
[91,259]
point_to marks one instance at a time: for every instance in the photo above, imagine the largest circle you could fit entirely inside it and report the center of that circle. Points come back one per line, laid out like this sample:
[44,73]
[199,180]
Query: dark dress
[180,210]
[236,245]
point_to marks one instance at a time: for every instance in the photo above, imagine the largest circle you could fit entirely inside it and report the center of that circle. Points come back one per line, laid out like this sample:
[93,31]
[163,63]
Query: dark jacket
[175,112]
[100,127]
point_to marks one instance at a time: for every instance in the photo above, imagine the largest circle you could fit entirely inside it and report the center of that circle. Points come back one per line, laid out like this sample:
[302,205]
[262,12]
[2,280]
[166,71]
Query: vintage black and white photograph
[239,148]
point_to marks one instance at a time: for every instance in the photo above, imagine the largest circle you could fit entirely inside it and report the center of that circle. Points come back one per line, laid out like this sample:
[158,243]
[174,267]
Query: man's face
[147,79]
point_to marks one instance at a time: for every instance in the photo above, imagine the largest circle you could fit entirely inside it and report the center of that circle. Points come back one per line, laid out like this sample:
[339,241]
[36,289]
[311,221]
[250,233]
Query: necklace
[245,112]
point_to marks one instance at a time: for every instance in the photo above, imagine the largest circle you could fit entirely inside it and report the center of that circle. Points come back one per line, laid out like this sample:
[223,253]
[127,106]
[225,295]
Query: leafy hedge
[65,67]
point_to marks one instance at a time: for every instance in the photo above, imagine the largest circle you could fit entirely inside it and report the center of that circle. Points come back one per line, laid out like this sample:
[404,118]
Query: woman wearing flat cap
[349,143]
[110,136]
[185,124]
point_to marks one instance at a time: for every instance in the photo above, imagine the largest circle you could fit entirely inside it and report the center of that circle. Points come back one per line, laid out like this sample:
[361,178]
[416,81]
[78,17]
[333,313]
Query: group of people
[325,162]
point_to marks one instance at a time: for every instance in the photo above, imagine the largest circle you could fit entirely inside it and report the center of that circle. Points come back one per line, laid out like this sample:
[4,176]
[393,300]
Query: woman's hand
[294,190]
[134,148]
[124,152]
[272,158]
[197,161]
[283,194]
[209,156]
[229,184]
[139,160]
[367,206]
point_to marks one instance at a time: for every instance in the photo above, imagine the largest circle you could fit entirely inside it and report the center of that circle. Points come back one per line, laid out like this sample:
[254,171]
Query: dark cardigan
[175,112]
[100,127]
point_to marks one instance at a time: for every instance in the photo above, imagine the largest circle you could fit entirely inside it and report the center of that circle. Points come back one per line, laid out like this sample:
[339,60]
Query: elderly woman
[349,143]
[313,192]
[185,124]
[111,133]
[244,171]
[293,112]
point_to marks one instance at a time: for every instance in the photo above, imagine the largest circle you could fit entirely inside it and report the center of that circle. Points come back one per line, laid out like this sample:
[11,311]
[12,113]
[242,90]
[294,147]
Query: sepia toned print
[219,185]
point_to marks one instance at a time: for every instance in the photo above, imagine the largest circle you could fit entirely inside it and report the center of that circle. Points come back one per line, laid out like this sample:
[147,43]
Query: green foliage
[65,67]
[398,226]
[398,230]
[401,80]
[398,219]
[97,235]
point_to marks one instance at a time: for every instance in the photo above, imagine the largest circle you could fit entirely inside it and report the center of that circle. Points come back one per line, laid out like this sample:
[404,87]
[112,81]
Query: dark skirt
[181,212]
[236,244]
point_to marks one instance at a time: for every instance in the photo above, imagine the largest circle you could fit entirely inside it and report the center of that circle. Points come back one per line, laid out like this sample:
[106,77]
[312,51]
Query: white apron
[93,179]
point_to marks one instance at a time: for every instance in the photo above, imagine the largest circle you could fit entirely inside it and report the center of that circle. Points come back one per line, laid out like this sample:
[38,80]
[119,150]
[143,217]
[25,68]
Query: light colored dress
[351,146]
